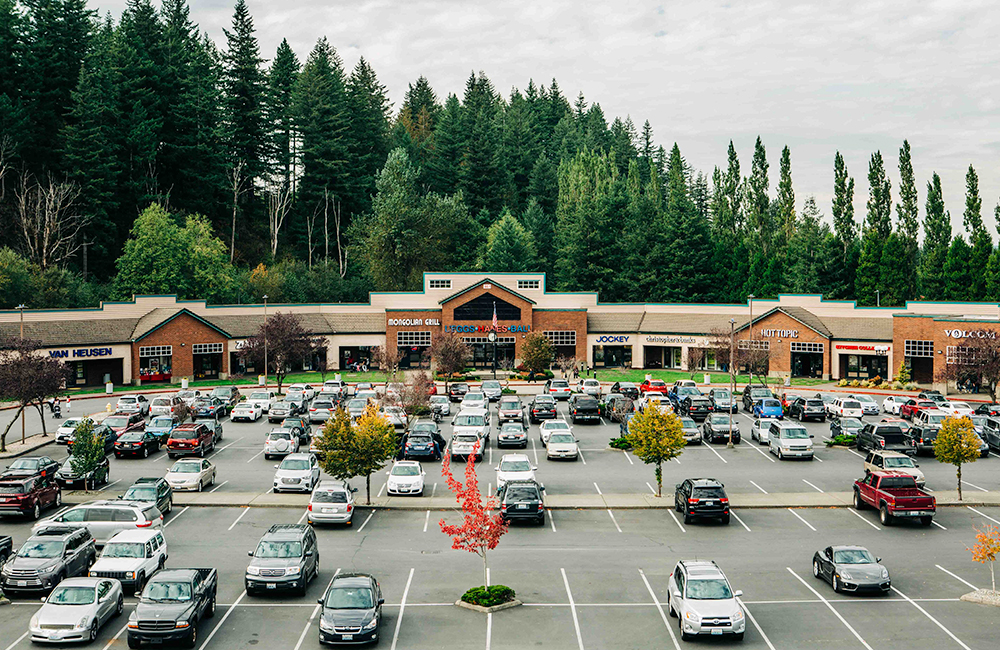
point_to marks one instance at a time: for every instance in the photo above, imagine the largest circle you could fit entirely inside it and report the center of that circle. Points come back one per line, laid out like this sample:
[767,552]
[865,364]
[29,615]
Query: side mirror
[497,468]
[916,464]
[878,559]
[319,600]
[42,599]
[381,601]
[275,467]
[309,553]
[137,594]
[249,553]
[354,490]
[811,436]
[678,486]
[534,469]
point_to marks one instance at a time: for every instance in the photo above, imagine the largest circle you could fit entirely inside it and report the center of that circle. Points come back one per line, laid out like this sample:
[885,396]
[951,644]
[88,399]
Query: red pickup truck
[894,494]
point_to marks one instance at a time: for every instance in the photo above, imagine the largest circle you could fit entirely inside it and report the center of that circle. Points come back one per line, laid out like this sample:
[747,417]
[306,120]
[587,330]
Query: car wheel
[884,516]
[192,639]
[210,609]
[725,519]
[684,635]
[687,517]
[815,568]
[781,456]
[145,452]
[926,521]
[199,485]
[738,636]
[93,630]
[836,583]
[121,606]
[858,503]
[58,501]
[35,512]
[671,610]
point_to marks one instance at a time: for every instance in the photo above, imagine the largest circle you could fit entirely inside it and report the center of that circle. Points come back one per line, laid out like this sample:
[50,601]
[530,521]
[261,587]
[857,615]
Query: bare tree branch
[279,203]
[237,183]
[47,219]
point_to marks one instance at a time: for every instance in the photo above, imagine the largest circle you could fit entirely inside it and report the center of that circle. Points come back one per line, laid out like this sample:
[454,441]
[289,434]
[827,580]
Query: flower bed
[488,596]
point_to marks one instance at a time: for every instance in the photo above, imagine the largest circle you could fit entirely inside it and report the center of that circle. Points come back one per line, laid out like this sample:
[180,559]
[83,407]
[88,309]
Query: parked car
[105,517]
[893,403]
[752,394]
[677,394]
[542,407]
[351,610]
[67,429]
[420,444]
[137,443]
[550,426]
[474,400]
[768,408]
[913,406]
[457,391]
[321,410]
[298,472]
[337,387]
[883,436]
[285,408]
[921,438]
[615,406]
[189,396]
[208,407]
[760,429]
[828,400]
[88,602]
[492,389]
[280,442]
[50,555]
[103,434]
[847,407]
[133,404]
[787,399]
[717,428]
[991,409]
[930,417]
[700,596]
[395,415]
[307,391]
[331,502]
[557,388]
[440,405]
[131,557]
[956,409]
[903,425]
[701,498]
[464,445]
[852,569]
[878,460]
[165,405]
[692,434]
[355,408]
[845,427]
[228,395]
[263,398]
[562,445]
[512,434]
[590,387]
[30,466]
[583,407]
[626,388]
[696,407]
[514,467]
[653,386]
[807,408]
[895,495]
[29,495]
[932,395]
[67,477]
[722,400]
[787,440]
[190,438]
[868,405]
[161,426]
[286,559]
[124,422]
[193,474]
[477,421]
[171,606]
[522,500]
[247,412]
[300,426]
[510,409]
[405,477]
[654,400]
[991,433]
[153,490]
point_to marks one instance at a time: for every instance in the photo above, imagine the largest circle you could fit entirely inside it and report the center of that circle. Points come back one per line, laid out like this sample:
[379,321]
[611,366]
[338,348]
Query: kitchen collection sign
[81,352]
[413,322]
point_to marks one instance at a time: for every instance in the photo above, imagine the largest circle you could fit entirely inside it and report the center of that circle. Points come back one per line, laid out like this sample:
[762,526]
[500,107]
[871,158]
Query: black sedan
[137,443]
[457,391]
[512,434]
[31,466]
[626,388]
[845,427]
[716,428]
[352,610]
[696,407]
[543,407]
[68,478]
[988,409]
[851,569]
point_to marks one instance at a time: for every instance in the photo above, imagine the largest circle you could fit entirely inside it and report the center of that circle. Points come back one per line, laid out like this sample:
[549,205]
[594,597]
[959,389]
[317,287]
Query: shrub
[844,439]
[488,596]
[620,443]
[842,383]
[912,387]
[508,391]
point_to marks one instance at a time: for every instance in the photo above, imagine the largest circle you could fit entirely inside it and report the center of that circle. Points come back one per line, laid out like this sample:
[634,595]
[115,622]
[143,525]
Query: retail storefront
[94,366]
[862,360]
[611,350]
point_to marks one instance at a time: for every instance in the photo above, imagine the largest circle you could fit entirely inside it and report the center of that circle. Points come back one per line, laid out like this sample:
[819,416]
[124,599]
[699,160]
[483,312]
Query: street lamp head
[265,296]
[21,306]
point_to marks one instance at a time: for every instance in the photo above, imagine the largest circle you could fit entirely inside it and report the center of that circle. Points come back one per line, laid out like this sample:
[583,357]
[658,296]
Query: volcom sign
[971,334]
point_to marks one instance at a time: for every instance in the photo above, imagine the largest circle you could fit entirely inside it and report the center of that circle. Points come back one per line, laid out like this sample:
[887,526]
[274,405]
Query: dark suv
[807,408]
[696,407]
[884,437]
[190,438]
[457,391]
[522,500]
[300,426]
[286,558]
[352,610]
[921,438]
[47,558]
[27,495]
[626,388]
[229,395]
[543,407]
[753,394]
[154,490]
[30,466]
[702,498]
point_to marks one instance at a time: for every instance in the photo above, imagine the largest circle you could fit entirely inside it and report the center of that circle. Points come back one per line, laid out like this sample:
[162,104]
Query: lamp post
[265,341]
[751,356]
[878,298]
[732,377]
[492,338]
[20,308]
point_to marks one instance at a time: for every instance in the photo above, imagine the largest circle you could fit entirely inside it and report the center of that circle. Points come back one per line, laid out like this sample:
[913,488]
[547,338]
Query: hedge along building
[162,339]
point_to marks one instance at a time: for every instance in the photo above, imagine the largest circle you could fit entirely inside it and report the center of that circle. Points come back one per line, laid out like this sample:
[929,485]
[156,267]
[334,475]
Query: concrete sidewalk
[32,442]
[637,501]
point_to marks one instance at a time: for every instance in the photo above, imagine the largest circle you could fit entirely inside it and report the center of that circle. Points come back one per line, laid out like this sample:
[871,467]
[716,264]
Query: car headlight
[130,574]
[846,575]
[371,624]
[252,570]
[326,627]
[181,624]
[33,623]
[83,623]
[691,616]
[885,573]
[48,569]
[292,571]
[738,616]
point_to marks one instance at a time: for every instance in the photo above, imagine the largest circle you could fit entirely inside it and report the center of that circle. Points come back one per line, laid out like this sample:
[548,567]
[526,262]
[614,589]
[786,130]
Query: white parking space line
[572,606]
[753,445]
[115,637]
[255,455]
[303,517]
[739,520]
[962,580]
[801,519]
[813,486]
[552,521]
[167,523]
[931,618]
[758,487]
[402,608]
[628,458]
[381,489]
[218,625]
[434,488]
[755,624]
[427,520]
[491,455]
[598,488]
[982,514]
[650,488]
[218,486]
[709,445]
[366,521]
[534,450]
[582,457]
[489,617]
[856,453]
[614,520]
[831,608]
[862,518]
[109,485]
[974,486]
[676,520]
[938,525]
[242,514]
[19,639]
[817,458]
[224,448]
[659,608]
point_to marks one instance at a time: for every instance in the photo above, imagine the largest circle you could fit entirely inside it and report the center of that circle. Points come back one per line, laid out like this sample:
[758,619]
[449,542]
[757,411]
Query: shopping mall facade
[154,339]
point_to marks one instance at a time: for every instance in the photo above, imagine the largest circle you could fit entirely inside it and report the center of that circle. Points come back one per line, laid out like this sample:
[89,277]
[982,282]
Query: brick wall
[391,330]
[562,320]
[181,333]
[780,361]
[929,329]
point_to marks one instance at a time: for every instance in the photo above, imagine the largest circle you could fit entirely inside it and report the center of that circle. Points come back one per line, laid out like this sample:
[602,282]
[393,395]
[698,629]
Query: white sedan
[562,445]
[548,427]
[514,467]
[191,474]
[247,411]
[654,400]
[307,391]
[405,477]
[760,428]
[956,409]
[892,403]
[76,609]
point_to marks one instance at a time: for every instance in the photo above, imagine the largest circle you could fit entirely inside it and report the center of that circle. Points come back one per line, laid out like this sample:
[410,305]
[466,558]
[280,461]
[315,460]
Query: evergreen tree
[908,228]
[877,228]
[14,121]
[449,143]
[244,98]
[689,247]
[541,225]
[280,111]
[937,241]
[982,243]
[786,197]
[543,185]
[367,135]
[805,250]
[510,248]
[958,271]
[519,149]
[992,275]
[481,178]
[759,201]
[895,275]
[843,203]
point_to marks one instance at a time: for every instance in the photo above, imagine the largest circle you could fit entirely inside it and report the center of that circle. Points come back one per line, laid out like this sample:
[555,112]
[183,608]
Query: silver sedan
[76,609]
[191,474]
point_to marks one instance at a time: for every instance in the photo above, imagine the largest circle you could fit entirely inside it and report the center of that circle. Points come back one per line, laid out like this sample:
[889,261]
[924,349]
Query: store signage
[472,329]
[865,348]
[788,334]
[971,334]
[240,345]
[82,352]
[413,322]
[670,339]
[612,339]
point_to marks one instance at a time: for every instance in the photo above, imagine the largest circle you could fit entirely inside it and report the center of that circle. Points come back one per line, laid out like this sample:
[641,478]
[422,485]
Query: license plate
[716,632]
[271,585]
[348,637]
[522,506]
[22,583]
[710,503]
[325,510]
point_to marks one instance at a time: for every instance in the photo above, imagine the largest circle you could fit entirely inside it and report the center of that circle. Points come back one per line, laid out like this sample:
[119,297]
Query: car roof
[513,457]
[523,482]
[407,463]
[80,581]
[553,421]
[702,568]
[889,454]
[286,531]
[299,456]
[332,484]
[705,482]
[134,535]
[935,412]
[848,547]
[54,530]
[470,411]
[352,580]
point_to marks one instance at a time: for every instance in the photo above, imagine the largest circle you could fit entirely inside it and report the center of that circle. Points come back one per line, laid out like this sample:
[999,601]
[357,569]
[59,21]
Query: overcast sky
[853,75]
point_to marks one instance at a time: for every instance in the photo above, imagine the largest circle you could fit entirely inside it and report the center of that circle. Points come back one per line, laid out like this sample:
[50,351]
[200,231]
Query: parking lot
[588,578]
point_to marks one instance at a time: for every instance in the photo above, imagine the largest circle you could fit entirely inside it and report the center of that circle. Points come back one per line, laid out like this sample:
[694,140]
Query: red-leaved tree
[480,530]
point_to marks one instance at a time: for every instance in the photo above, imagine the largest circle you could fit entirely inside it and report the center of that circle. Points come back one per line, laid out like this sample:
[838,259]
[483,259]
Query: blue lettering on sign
[59,353]
[612,339]
[82,352]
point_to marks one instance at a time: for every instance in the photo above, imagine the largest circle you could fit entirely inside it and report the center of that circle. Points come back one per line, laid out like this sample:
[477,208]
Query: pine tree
[481,178]
[895,276]
[543,185]
[245,93]
[689,247]
[449,142]
[937,241]
[786,197]
[367,135]
[805,248]
[982,243]
[958,272]
[14,122]
[519,149]
[280,111]
[843,203]
[877,228]
[759,202]
[510,248]
[908,227]
[541,225]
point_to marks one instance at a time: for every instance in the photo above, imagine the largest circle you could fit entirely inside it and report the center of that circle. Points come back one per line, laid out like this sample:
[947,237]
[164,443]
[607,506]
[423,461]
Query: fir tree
[367,135]
[480,177]
[510,248]
[14,121]
[786,197]
[937,241]
[982,243]
[759,202]
[689,247]
[878,226]
[245,92]
[908,227]
[958,272]
[449,142]
[541,225]
[843,203]
[520,147]
[280,111]
[895,275]
[805,249]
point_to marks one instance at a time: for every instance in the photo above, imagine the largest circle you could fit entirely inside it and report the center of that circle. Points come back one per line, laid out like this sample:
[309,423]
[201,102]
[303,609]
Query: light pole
[265,341]
[751,355]
[20,308]
[732,377]
[878,298]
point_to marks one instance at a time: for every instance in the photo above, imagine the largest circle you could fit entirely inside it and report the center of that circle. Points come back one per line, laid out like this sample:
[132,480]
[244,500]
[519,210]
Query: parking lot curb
[28,450]
[982,597]
[488,610]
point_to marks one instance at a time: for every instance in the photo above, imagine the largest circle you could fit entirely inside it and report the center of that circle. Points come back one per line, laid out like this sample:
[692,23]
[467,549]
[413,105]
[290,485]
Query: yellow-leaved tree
[656,437]
[957,444]
[361,448]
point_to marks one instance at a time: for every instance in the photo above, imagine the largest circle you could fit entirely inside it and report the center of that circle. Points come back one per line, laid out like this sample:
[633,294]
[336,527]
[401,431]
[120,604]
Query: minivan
[286,558]
[787,440]
[477,421]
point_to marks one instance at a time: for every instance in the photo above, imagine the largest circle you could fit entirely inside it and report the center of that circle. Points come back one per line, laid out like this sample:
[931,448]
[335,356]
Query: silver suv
[46,558]
[703,601]
[105,518]
[332,502]
[286,558]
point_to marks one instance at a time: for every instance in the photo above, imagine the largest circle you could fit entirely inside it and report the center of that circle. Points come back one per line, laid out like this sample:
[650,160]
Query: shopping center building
[154,339]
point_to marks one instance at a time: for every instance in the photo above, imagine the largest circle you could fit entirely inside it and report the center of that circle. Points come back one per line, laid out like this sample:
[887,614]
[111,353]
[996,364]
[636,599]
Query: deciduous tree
[88,452]
[28,378]
[287,341]
[986,549]
[536,353]
[657,437]
[357,449]
[976,358]
[450,354]
[957,444]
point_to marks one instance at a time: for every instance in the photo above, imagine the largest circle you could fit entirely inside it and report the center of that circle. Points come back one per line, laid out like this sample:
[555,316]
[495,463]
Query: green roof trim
[480,284]
[179,313]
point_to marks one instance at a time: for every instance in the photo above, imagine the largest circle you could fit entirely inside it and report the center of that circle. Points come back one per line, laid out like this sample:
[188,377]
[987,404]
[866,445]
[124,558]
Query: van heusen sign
[971,334]
[80,353]
[788,334]
[413,322]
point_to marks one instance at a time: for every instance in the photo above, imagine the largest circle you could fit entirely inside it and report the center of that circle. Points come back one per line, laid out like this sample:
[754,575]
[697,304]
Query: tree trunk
[3,438]
[486,579]
[368,489]
[40,407]
[659,480]
[959,482]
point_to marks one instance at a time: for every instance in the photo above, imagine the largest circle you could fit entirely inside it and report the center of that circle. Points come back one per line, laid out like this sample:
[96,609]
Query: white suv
[132,556]
[847,407]
[514,467]
[700,596]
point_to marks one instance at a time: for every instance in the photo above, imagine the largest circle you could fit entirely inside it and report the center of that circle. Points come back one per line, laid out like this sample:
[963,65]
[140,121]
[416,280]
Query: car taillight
[692,500]
[725,500]
[540,506]
[503,506]
[143,524]
[349,507]
[310,507]
[881,443]
[311,409]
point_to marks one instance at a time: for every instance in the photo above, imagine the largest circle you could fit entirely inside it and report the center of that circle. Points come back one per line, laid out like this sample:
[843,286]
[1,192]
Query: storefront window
[155,362]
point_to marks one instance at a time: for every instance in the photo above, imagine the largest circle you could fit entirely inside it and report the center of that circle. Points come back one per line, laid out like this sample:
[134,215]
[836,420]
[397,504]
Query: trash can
[184,383]
[708,378]
[109,388]
[260,380]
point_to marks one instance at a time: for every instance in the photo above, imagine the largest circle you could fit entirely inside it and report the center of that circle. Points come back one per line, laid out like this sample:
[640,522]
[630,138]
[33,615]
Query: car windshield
[160,422]
[933,418]
[279,435]
[419,440]
[131,436]
[561,438]
[688,423]
[123,549]
[41,548]
[959,405]
[545,399]
[220,392]
[473,397]
[269,549]
[116,421]
[186,467]
[771,403]
[708,590]
[405,470]
[591,382]
[894,462]
[553,425]
[469,421]
[467,437]
[977,420]
[794,434]
[688,390]
[850,423]
[586,401]
[852,405]
[439,399]
[427,427]
[322,405]
[140,494]
[760,392]
[853,556]
[814,402]
[203,401]
[491,384]
[294,463]
[71,596]
[358,404]
[127,400]
[864,398]
[657,383]
[720,418]
[329,496]
[259,396]
[509,404]
[349,598]
[708,493]
[184,434]
[161,401]
[559,383]
[721,394]
[180,591]
[511,427]
[522,493]
[519,465]
[25,463]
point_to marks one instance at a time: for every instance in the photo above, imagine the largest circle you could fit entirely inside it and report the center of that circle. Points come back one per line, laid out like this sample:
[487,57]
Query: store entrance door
[807,364]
